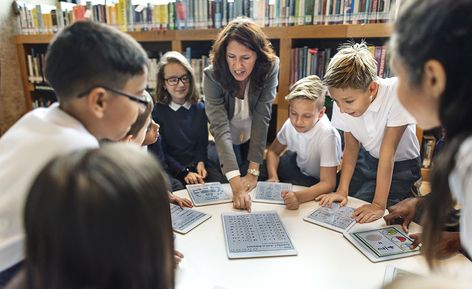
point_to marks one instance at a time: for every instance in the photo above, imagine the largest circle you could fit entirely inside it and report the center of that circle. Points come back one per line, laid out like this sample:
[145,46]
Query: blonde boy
[314,145]
[379,134]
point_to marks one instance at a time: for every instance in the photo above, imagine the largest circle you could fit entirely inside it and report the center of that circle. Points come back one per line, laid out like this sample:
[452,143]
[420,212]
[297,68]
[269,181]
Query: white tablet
[393,273]
[210,193]
[337,218]
[270,192]
[256,234]
[382,244]
[185,219]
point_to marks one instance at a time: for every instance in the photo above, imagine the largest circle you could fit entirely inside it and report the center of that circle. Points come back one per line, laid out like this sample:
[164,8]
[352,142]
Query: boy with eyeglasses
[99,75]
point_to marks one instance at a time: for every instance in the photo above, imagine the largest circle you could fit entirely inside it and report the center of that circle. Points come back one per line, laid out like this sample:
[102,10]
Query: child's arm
[326,184]
[351,152]
[273,158]
[182,202]
[374,211]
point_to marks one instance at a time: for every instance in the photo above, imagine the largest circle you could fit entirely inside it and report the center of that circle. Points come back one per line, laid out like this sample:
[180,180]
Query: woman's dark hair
[100,218]
[439,30]
[162,94]
[246,32]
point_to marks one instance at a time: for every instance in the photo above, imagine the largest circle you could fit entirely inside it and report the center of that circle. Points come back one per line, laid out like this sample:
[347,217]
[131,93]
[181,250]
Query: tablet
[382,244]
[185,219]
[337,218]
[270,192]
[256,234]
[210,193]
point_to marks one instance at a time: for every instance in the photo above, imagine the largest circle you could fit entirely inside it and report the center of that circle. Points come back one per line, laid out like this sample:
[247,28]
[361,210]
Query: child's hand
[182,202]
[368,213]
[449,243]
[402,213]
[328,199]
[178,256]
[193,178]
[201,170]
[290,200]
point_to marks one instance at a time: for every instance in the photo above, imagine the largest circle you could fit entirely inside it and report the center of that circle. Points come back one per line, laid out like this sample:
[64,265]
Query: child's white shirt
[25,148]
[385,111]
[318,147]
[460,182]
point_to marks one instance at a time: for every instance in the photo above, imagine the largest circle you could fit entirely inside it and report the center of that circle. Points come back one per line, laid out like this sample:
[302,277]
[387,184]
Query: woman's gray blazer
[219,107]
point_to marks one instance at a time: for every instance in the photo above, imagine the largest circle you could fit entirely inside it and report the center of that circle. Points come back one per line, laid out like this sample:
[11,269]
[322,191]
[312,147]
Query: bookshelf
[283,38]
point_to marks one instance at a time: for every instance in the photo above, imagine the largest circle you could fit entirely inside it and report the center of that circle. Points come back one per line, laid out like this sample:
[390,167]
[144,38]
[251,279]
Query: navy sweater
[184,135]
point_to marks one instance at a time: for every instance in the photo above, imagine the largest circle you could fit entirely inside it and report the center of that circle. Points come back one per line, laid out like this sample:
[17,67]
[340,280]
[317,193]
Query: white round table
[325,258]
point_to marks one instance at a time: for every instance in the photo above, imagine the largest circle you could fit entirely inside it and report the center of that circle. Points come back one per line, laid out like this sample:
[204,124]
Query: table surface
[325,258]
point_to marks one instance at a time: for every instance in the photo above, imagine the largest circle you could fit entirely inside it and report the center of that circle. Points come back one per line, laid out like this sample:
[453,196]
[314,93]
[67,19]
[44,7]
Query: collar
[176,106]
[377,103]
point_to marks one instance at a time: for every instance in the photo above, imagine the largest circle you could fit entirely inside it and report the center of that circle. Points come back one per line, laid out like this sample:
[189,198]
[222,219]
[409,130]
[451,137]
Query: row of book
[151,15]
[308,61]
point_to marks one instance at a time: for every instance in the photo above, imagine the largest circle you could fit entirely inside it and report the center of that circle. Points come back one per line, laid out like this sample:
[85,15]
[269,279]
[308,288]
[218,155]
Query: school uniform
[460,182]
[307,152]
[184,132]
[369,129]
[26,147]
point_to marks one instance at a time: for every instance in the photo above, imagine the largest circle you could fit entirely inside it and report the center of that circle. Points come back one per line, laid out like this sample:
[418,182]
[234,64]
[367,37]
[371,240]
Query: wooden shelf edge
[286,32]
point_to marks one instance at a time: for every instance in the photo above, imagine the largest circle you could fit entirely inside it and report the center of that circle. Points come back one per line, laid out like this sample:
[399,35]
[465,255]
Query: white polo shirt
[318,147]
[26,147]
[385,111]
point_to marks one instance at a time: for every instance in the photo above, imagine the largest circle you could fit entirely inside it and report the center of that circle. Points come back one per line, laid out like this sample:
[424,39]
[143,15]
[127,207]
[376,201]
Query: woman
[433,64]
[239,87]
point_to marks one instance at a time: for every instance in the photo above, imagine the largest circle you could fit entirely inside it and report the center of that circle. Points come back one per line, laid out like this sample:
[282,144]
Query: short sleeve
[331,150]
[398,115]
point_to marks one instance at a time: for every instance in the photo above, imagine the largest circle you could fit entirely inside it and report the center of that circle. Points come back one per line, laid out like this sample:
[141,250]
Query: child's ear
[373,88]
[322,112]
[434,79]
[97,101]
[128,138]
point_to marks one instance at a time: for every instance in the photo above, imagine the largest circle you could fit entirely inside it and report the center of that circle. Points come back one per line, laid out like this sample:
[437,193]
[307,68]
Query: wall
[12,100]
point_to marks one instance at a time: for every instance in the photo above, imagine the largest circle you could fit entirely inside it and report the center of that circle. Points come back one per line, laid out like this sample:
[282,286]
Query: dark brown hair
[162,94]
[443,32]
[100,218]
[249,34]
[142,117]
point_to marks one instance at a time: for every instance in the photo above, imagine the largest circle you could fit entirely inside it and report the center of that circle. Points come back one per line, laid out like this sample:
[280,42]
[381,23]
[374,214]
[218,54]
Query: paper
[185,219]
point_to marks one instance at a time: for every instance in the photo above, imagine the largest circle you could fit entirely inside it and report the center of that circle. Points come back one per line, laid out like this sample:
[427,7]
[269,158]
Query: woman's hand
[249,182]
[241,197]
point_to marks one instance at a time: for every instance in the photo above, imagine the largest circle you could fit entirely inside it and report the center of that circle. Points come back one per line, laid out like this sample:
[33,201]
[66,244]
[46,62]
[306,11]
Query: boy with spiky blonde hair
[314,145]
[381,154]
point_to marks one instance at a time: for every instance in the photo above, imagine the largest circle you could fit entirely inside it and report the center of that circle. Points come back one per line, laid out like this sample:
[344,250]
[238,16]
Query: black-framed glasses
[172,81]
[139,99]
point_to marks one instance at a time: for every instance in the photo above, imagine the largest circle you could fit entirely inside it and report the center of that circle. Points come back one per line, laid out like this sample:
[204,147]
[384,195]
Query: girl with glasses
[184,125]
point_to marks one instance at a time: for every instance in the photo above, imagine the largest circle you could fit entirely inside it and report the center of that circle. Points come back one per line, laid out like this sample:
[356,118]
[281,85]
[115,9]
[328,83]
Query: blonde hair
[310,88]
[352,67]
[162,94]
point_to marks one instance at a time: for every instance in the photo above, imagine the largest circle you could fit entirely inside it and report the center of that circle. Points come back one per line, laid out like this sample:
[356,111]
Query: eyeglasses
[172,81]
[141,100]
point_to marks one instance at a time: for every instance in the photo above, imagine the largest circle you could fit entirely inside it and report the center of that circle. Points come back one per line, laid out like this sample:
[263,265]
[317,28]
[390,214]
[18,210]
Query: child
[314,145]
[115,228]
[145,131]
[378,133]
[99,75]
[434,85]
[184,125]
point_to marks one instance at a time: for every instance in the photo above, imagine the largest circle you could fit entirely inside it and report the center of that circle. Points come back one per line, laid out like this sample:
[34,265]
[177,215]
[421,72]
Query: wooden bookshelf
[284,35]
